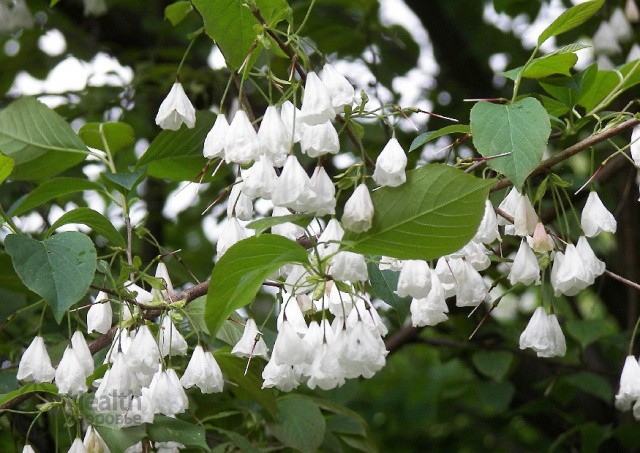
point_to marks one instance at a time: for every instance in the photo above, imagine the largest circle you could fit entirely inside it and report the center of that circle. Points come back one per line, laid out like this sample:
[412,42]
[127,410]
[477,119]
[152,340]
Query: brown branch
[574,149]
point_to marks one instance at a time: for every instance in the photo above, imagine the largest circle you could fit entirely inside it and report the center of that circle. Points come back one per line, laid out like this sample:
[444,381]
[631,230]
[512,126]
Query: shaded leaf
[59,269]
[493,364]
[239,274]
[586,331]
[29,388]
[126,181]
[434,213]
[385,283]
[426,137]
[6,167]
[40,142]
[176,12]
[520,129]
[49,190]
[94,220]
[116,135]
[300,423]
[166,429]
[261,225]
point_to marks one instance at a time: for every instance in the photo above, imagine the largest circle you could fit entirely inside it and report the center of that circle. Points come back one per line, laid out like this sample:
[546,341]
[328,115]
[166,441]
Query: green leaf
[493,364]
[300,423]
[177,155]
[262,224]
[426,137]
[49,190]
[571,18]
[239,441]
[520,129]
[6,167]
[603,83]
[195,311]
[242,270]
[119,439]
[592,384]
[176,12]
[29,388]
[94,220]
[384,285]
[234,28]
[40,142]
[436,212]
[251,382]
[166,429]
[60,268]
[631,74]
[544,67]
[126,181]
[586,331]
[117,136]
[568,89]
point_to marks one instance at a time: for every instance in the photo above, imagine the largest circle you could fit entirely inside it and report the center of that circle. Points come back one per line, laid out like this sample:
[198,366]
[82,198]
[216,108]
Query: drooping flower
[361,351]
[170,340]
[241,144]
[470,288]
[203,371]
[525,268]
[349,266]
[214,141]
[340,90]
[328,242]
[325,193]
[293,189]
[596,218]
[77,446]
[118,385]
[251,343]
[291,118]
[239,204]
[524,217]
[544,335]
[316,102]
[82,352]
[390,165]
[100,315]
[620,25]
[94,442]
[488,229]
[629,391]
[144,353]
[163,273]
[70,376]
[432,309]
[28,449]
[176,109]
[35,364]
[569,274]
[508,205]
[230,233]
[166,393]
[260,179]
[540,241]
[414,279]
[358,210]
[319,140]
[289,349]
[275,142]
[594,266]
[635,145]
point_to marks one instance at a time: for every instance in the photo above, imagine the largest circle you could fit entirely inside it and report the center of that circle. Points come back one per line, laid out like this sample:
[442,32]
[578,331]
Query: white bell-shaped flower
[214,141]
[635,144]
[241,144]
[230,233]
[629,391]
[100,315]
[326,372]
[287,229]
[488,230]
[70,376]
[239,204]
[594,266]
[328,241]
[524,217]
[414,279]
[469,286]
[475,254]
[358,210]
[361,351]
[596,218]
[525,268]
[77,446]
[605,40]
[320,140]
[117,387]
[144,353]
[293,189]
[620,25]
[251,343]
[203,371]
[432,309]
[28,449]
[290,117]
[325,193]
[260,180]
[176,109]
[631,11]
[508,206]
[289,349]
[544,335]
[121,343]
[170,340]
[292,311]
[82,352]
[35,364]
[349,266]
[340,90]
[163,274]
[540,241]
[94,442]
[141,295]
[366,312]
[390,264]
[391,165]
[316,102]
[166,393]
[283,377]
[569,274]
[274,139]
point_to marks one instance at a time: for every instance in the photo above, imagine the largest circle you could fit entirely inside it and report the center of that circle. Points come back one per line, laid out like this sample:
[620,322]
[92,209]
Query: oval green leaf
[49,190]
[426,137]
[94,220]
[40,142]
[571,18]
[300,423]
[6,167]
[116,135]
[59,269]
[520,129]
[239,274]
[436,212]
